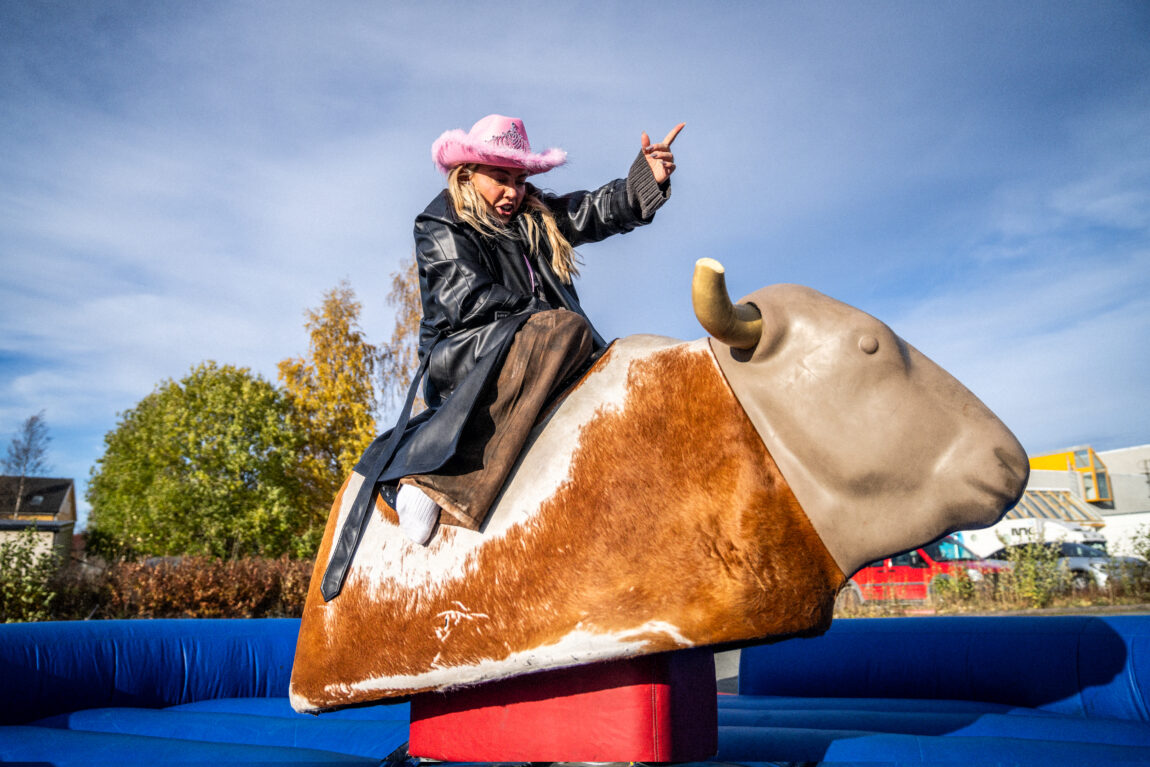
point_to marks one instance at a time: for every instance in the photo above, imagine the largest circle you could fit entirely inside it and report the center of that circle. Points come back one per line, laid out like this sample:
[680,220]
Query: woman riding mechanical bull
[502,329]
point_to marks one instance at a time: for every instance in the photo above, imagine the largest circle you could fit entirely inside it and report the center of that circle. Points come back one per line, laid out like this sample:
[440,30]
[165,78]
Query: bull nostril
[1015,463]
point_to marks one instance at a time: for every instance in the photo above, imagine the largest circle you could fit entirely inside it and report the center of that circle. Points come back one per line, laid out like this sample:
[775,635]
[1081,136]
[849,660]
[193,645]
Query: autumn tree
[332,395]
[204,465]
[27,457]
[399,358]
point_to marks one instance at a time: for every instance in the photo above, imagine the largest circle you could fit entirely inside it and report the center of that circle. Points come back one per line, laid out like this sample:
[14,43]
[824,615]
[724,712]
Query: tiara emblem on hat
[512,138]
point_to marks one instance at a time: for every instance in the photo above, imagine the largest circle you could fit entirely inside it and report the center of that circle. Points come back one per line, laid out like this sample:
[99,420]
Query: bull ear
[739,326]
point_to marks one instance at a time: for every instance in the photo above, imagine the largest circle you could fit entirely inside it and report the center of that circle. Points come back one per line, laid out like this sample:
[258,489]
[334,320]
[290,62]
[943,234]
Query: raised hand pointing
[659,156]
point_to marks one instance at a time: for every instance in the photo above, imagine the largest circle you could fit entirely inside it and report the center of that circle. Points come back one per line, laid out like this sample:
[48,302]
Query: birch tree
[399,357]
[27,456]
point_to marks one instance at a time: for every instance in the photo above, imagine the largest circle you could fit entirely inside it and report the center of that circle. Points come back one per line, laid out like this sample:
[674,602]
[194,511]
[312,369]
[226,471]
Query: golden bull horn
[739,326]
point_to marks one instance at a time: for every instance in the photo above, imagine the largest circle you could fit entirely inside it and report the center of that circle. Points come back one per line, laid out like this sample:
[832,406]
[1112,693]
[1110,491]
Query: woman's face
[502,188]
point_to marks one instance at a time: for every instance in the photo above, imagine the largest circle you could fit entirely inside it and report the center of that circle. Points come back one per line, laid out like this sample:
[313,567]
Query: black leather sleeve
[614,208]
[459,291]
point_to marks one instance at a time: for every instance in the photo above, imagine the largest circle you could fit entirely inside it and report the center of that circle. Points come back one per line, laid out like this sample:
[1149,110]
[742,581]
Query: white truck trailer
[1008,532]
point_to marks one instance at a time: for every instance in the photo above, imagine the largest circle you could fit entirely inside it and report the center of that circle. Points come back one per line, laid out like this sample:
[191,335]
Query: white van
[1013,531]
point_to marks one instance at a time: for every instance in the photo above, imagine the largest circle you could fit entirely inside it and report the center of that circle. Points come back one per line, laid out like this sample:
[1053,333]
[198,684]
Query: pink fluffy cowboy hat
[494,140]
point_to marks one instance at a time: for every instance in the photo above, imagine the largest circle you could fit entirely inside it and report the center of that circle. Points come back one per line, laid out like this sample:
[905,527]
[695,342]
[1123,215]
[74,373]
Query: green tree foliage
[1035,578]
[26,573]
[204,465]
[332,395]
[1140,542]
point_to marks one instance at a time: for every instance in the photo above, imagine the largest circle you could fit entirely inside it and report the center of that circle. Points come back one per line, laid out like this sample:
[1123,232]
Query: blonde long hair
[474,210]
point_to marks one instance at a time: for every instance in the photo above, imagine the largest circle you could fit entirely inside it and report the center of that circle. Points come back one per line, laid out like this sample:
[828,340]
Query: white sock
[417,513]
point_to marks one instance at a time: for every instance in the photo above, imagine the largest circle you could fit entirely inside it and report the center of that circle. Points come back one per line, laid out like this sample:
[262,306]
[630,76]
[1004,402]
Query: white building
[1106,491]
[1129,509]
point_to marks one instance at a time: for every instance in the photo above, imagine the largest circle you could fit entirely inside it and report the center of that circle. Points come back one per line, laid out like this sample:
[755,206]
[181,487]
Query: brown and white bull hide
[649,511]
[645,516]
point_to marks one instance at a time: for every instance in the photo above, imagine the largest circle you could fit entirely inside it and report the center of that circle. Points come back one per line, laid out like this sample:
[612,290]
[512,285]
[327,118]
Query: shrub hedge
[183,587]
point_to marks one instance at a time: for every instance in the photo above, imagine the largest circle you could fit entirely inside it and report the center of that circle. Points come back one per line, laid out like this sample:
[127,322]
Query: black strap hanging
[357,517]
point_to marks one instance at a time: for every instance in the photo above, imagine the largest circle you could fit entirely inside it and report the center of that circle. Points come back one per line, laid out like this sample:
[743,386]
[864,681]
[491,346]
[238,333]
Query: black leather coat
[473,286]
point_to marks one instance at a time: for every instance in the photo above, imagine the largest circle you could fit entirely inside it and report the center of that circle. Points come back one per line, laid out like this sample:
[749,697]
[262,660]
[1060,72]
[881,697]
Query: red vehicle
[915,576]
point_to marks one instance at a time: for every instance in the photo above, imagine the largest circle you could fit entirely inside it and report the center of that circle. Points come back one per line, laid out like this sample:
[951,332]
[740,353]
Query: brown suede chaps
[549,348]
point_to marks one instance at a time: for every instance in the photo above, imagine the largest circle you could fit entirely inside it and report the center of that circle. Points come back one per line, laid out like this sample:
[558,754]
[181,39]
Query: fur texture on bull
[646,515]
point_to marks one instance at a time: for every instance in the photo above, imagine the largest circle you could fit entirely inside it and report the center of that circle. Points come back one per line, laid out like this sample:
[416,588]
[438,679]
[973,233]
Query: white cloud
[1059,355]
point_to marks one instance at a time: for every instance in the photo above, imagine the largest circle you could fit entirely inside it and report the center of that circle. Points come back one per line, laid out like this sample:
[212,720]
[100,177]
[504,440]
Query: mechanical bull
[682,494]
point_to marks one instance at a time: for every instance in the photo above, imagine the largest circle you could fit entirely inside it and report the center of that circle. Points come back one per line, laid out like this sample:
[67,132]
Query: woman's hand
[659,156]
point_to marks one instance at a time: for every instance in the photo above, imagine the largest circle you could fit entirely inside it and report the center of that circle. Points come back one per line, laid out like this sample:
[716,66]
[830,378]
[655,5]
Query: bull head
[883,449]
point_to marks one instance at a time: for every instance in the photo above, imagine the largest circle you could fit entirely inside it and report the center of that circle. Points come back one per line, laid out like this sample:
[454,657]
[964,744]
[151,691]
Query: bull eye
[869,344]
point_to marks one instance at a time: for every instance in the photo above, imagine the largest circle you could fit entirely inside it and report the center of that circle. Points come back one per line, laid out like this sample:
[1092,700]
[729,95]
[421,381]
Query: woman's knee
[571,331]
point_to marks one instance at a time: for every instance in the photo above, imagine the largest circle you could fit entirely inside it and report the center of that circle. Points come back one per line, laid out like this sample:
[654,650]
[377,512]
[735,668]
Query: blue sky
[180,181]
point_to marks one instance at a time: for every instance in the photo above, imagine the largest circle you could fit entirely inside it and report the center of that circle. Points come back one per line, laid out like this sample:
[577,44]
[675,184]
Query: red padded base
[656,708]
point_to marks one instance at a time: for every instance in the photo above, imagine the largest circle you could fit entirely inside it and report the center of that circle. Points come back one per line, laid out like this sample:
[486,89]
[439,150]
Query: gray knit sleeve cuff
[643,192]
